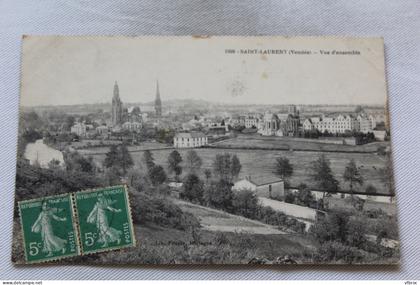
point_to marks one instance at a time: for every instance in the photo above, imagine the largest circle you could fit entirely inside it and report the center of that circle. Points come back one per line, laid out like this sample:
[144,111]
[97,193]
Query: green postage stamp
[78,223]
[49,229]
[104,218]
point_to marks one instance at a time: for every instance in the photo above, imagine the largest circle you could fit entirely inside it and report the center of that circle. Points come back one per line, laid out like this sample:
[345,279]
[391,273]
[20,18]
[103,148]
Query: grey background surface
[397,21]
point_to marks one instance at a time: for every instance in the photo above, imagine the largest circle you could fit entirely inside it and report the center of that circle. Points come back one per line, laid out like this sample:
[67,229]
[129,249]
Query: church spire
[116,110]
[158,102]
[116,90]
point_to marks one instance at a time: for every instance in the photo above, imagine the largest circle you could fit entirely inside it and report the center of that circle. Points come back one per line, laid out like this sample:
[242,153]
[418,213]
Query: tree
[332,227]
[352,175]
[157,175]
[74,161]
[148,159]
[219,195]
[119,157]
[356,232]
[283,168]
[138,180]
[323,176]
[193,161]
[235,167]
[370,189]
[245,203]
[226,166]
[54,164]
[111,156]
[221,166]
[70,120]
[192,189]
[207,174]
[126,161]
[358,109]
[174,160]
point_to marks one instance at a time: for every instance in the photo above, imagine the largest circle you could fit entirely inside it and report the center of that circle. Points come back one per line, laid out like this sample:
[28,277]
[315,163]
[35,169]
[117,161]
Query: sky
[82,70]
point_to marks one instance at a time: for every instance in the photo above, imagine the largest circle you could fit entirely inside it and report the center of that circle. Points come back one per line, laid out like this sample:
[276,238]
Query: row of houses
[290,124]
[340,124]
[88,130]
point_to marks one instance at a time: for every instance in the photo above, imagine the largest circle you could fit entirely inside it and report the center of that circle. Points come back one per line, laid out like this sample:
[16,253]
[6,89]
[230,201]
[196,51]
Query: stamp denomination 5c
[104,219]
[49,230]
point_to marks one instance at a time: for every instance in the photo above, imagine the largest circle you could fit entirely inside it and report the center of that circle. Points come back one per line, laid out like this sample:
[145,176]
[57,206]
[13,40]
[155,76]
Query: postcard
[204,150]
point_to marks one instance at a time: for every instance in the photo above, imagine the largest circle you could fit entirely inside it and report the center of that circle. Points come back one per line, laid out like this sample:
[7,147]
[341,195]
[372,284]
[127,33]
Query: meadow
[261,163]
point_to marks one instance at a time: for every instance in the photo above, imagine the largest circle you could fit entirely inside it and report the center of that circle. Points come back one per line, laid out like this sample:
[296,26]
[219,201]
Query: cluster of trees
[343,237]
[217,193]
[322,175]
[303,197]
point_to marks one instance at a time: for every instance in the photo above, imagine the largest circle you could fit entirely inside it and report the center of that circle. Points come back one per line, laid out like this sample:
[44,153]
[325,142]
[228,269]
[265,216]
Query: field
[215,220]
[293,143]
[158,245]
[260,163]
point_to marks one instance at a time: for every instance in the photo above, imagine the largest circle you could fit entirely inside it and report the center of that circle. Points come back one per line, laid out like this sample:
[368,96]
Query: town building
[237,121]
[380,135]
[365,124]
[251,122]
[134,115]
[79,129]
[270,125]
[189,140]
[262,186]
[308,125]
[103,131]
[291,125]
[132,126]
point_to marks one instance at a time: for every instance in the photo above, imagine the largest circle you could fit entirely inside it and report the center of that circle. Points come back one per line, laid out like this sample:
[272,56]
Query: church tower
[117,107]
[158,102]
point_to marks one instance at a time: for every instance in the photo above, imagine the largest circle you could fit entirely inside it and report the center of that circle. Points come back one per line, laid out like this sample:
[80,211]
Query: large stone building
[188,140]
[270,125]
[117,107]
[340,124]
[158,102]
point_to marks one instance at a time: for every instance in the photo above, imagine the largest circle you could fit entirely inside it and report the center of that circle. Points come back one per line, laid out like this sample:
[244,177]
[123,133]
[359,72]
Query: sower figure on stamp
[98,216]
[51,242]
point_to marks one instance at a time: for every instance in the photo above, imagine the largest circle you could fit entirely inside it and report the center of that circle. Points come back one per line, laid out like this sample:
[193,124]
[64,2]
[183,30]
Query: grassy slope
[169,246]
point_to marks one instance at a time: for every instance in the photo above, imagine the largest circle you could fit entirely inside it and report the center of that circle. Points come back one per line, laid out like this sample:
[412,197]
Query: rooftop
[190,135]
[262,180]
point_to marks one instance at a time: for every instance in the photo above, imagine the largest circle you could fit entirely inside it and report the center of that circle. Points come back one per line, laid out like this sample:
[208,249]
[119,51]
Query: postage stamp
[49,230]
[104,218]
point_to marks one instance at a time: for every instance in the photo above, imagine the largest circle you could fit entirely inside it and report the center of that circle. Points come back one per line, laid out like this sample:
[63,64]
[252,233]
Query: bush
[161,211]
[245,203]
[333,251]
[192,189]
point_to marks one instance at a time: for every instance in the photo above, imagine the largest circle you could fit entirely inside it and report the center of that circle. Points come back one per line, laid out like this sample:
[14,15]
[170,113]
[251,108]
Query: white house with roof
[79,129]
[308,125]
[365,124]
[188,140]
[270,187]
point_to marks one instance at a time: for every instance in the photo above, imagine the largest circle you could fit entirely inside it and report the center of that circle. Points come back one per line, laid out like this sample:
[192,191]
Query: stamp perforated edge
[75,229]
[129,216]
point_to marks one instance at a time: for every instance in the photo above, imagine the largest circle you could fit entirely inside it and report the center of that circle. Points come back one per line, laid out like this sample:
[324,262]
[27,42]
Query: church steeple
[116,110]
[158,102]
[116,90]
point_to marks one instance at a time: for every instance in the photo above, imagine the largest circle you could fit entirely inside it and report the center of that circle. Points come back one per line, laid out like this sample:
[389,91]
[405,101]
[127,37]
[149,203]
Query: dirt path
[216,220]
